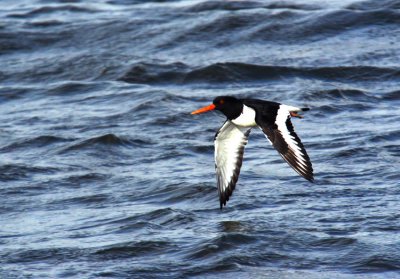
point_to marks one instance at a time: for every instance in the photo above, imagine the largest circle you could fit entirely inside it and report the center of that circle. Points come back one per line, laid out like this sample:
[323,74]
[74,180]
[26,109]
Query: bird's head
[230,106]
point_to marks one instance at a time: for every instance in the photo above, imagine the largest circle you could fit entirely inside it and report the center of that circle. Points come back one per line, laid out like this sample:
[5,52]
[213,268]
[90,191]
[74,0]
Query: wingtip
[222,204]
[310,179]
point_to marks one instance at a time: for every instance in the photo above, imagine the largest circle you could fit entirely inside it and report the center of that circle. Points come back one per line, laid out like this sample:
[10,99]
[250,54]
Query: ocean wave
[279,23]
[84,178]
[323,25]
[225,242]
[374,5]
[50,255]
[9,172]
[71,88]
[46,10]
[45,23]
[179,73]
[223,5]
[36,142]
[107,140]
[155,73]
[391,96]
[133,249]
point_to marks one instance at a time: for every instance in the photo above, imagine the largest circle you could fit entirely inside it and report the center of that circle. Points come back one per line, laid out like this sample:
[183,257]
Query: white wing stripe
[282,116]
[229,144]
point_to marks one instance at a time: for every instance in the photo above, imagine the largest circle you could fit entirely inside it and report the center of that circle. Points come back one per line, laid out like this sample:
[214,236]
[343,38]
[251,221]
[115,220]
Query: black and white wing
[229,143]
[282,136]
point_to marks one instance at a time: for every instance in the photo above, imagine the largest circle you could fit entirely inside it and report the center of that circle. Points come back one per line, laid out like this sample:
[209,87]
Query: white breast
[247,118]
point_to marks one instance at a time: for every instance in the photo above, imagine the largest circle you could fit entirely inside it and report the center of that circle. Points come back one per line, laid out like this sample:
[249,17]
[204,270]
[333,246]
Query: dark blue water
[105,174]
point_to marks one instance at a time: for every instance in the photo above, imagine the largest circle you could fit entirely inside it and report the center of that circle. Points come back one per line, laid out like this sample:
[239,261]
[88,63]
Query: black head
[230,106]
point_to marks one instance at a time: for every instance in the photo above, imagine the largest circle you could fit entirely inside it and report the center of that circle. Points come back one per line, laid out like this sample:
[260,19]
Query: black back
[265,110]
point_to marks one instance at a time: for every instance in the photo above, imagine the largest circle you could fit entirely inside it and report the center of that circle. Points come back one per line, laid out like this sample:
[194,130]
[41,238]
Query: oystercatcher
[242,115]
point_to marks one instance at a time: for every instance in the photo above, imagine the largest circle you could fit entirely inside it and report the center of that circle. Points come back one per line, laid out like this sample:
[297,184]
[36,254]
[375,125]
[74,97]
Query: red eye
[221,102]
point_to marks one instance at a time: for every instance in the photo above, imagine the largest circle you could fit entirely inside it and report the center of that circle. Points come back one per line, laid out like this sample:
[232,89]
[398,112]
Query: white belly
[247,118]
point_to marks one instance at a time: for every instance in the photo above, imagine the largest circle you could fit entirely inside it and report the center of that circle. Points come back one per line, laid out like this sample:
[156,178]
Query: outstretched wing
[282,136]
[229,143]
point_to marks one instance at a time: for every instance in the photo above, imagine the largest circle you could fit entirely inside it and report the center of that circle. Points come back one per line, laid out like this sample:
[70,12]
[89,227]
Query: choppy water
[105,174]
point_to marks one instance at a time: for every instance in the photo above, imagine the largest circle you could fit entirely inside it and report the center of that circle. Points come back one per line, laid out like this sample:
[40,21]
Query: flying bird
[242,115]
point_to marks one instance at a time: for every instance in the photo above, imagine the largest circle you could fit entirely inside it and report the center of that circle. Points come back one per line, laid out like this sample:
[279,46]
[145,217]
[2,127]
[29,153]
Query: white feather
[247,118]
[228,144]
[282,116]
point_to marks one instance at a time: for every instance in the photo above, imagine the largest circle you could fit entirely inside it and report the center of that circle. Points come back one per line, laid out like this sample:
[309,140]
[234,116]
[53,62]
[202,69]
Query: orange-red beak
[205,109]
